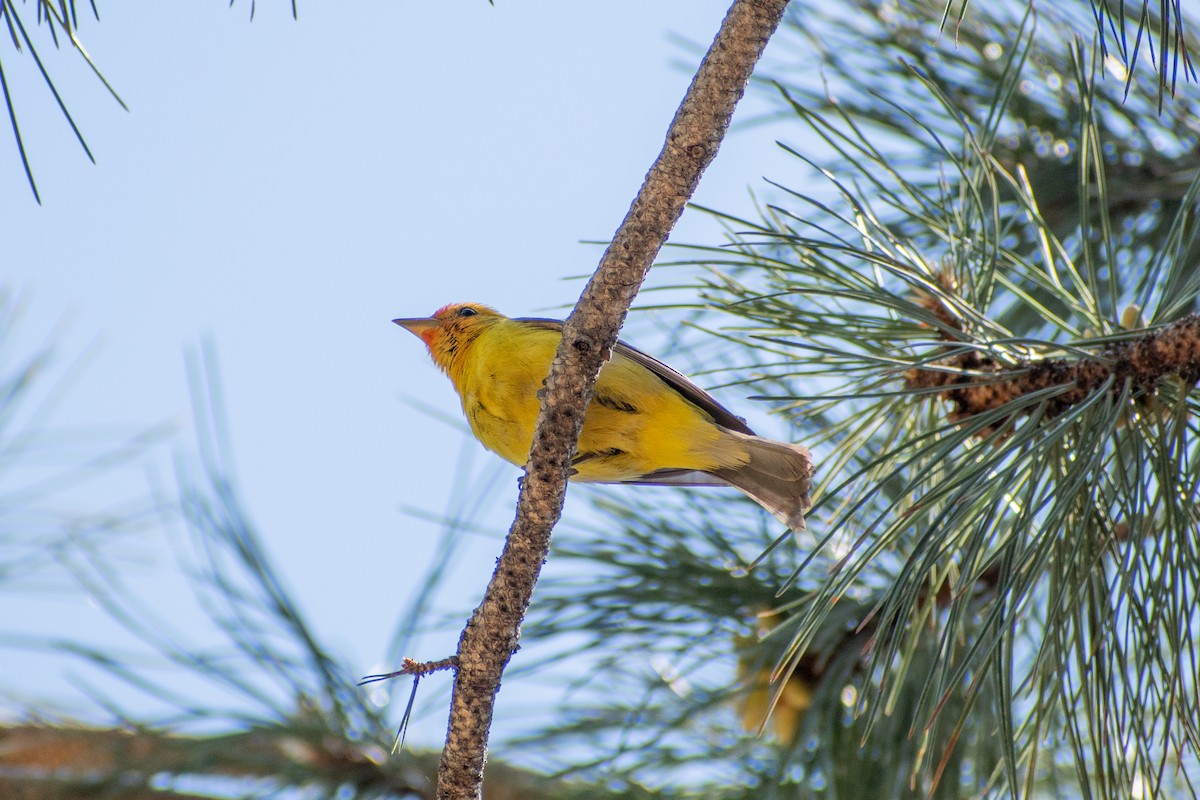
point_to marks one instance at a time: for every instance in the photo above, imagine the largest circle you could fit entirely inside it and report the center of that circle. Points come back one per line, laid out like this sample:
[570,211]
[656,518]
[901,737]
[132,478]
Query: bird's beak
[420,326]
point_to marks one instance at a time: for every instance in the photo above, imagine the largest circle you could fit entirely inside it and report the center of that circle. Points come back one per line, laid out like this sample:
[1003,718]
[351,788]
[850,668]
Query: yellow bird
[646,423]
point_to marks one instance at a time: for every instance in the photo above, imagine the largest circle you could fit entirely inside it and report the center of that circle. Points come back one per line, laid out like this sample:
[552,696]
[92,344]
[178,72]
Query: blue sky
[283,190]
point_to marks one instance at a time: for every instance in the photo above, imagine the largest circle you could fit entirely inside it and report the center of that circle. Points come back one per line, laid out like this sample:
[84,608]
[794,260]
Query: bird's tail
[777,476]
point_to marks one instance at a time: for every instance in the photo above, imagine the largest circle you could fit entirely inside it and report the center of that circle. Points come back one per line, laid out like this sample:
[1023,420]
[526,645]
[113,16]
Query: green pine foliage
[977,307]
[980,317]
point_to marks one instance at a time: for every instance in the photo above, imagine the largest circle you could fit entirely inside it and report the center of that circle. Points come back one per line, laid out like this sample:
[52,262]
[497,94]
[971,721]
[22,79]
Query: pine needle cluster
[981,316]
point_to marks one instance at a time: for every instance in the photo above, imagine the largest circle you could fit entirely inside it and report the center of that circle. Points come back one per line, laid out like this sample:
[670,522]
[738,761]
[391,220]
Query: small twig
[412,667]
[418,669]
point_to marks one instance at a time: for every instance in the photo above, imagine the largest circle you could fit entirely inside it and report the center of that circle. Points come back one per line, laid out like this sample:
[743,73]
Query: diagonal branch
[493,632]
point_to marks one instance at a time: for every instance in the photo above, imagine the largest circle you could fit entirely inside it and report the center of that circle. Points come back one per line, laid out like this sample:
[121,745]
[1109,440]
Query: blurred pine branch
[68,761]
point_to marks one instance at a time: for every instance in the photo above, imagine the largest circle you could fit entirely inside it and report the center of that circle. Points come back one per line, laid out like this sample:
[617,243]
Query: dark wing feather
[678,477]
[676,380]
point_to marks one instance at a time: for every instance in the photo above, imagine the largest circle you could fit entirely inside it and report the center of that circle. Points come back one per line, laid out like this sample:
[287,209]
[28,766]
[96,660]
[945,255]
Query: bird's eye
[467,311]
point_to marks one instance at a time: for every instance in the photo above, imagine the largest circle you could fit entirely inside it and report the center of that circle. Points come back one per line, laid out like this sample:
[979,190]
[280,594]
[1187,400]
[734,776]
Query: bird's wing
[676,380]
[677,477]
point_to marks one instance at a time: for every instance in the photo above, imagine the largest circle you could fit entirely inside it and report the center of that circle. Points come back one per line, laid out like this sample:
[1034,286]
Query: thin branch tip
[413,667]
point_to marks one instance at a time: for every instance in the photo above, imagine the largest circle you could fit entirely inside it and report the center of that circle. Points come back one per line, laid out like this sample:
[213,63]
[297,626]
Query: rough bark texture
[1141,363]
[975,383]
[492,634]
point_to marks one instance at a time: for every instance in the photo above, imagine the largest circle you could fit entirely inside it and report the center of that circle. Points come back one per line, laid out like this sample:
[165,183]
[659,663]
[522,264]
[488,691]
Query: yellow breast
[635,424]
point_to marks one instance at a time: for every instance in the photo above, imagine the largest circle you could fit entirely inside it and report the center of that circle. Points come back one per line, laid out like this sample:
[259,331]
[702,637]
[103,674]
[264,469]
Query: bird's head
[450,331]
